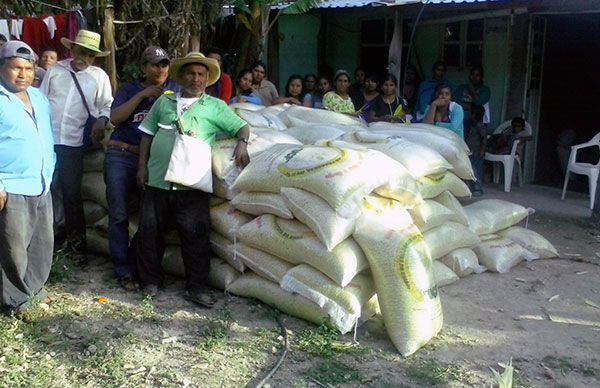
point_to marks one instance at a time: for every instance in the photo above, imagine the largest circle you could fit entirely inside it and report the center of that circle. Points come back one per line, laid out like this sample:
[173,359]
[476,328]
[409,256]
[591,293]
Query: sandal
[129,283]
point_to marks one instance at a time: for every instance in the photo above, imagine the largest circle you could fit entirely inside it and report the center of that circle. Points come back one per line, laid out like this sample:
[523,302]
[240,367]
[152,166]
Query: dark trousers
[189,209]
[26,242]
[69,171]
[477,164]
[120,168]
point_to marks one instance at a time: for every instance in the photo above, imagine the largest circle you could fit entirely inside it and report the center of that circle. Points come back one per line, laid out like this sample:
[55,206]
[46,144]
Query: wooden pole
[109,45]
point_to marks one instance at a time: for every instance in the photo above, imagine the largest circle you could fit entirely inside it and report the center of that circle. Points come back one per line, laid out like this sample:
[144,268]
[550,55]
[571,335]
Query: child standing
[476,139]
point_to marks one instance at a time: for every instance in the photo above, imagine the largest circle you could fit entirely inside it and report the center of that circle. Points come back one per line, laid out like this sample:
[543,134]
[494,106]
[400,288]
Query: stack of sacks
[503,246]
[95,207]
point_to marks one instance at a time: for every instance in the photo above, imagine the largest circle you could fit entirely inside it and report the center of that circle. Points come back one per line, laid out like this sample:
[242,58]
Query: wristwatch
[243,139]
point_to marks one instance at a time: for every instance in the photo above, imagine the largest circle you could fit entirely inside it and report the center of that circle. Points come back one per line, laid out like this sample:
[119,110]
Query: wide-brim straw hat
[214,71]
[86,39]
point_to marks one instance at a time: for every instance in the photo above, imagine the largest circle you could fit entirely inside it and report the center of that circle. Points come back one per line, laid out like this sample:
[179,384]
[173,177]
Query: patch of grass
[148,305]
[217,330]
[333,372]
[433,372]
[324,342]
[558,363]
[62,266]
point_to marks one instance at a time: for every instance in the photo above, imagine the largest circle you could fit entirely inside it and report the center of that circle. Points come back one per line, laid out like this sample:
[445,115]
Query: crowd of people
[53,110]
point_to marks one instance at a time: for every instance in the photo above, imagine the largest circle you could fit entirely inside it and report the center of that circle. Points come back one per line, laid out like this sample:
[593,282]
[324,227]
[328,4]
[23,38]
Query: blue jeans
[120,169]
[477,164]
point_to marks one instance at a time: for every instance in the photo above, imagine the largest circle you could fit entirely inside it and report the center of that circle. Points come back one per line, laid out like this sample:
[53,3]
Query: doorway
[570,96]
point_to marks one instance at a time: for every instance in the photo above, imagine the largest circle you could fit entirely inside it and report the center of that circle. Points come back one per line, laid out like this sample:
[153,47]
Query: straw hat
[214,72]
[86,39]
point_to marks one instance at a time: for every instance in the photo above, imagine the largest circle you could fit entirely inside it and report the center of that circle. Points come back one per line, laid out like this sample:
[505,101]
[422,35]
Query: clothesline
[50,5]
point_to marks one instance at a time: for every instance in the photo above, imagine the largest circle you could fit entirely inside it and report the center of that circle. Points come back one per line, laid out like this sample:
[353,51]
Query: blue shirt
[128,131]
[26,144]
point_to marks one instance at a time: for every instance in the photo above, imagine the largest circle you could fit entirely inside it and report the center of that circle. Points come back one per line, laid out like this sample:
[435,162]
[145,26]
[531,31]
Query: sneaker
[128,283]
[200,297]
[150,290]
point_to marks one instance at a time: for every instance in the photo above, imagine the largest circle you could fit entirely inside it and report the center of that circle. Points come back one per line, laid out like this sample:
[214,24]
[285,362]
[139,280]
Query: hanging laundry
[16,28]
[51,25]
[35,34]
[4,28]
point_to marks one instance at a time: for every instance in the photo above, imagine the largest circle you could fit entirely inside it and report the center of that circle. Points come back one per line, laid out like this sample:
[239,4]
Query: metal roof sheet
[364,3]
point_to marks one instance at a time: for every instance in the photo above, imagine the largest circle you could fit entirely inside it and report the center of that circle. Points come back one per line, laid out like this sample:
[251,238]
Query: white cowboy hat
[214,72]
[86,39]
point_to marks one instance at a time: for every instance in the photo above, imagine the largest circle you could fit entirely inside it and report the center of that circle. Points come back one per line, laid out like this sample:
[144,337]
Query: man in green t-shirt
[202,116]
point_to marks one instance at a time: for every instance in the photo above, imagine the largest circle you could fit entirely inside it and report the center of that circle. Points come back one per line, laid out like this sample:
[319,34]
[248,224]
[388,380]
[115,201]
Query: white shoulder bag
[191,161]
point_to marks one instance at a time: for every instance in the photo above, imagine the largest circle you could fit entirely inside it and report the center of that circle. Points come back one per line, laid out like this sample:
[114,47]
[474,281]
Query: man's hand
[152,91]
[240,153]
[141,177]
[3,198]
[98,129]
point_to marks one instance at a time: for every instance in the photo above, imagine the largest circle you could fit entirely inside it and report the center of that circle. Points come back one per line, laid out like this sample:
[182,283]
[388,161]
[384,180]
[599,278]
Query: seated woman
[310,83]
[293,91]
[369,94]
[388,106]
[315,99]
[243,89]
[338,100]
[445,113]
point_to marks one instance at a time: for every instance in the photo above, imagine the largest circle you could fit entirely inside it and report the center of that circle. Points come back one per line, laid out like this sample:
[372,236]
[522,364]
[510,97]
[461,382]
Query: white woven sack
[402,272]
[97,242]
[190,164]
[222,187]
[246,106]
[93,188]
[220,274]
[251,285]
[312,133]
[266,265]
[491,215]
[223,161]
[225,249]
[463,262]
[319,216]
[93,212]
[343,305]
[442,132]
[450,202]
[430,214]
[530,240]
[227,220]
[294,242]
[257,203]
[448,237]
[501,254]
[262,119]
[418,159]
[93,160]
[433,185]
[446,143]
[316,116]
[442,274]
[277,137]
[342,177]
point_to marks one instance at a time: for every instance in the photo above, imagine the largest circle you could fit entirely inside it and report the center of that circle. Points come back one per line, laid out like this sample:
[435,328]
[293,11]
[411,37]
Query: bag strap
[80,92]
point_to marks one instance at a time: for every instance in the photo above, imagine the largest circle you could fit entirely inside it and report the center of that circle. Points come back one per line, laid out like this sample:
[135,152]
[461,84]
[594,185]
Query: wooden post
[395,54]
[109,45]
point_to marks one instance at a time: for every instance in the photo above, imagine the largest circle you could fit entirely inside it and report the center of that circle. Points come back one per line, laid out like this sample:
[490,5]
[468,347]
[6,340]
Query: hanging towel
[16,28]
[51,25]
[4,28]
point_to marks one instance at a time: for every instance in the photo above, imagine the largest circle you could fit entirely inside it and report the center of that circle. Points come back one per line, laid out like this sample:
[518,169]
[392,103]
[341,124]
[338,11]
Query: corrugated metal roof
[364,3]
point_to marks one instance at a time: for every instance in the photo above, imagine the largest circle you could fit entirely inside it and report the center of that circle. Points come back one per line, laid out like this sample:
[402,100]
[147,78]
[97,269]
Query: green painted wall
[298,47]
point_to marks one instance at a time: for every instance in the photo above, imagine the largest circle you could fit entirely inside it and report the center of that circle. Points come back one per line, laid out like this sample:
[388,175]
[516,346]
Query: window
[376,36]
[463,43]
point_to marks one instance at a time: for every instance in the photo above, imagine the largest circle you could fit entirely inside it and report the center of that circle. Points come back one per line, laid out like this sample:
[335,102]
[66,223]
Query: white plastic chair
[591,170]
[509,160]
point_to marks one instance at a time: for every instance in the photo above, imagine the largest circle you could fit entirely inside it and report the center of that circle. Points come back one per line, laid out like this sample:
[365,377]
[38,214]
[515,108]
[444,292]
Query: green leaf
[300,6]
[241,6]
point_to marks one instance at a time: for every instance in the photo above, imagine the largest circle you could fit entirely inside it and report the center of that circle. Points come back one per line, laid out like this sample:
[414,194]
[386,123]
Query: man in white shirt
[69,117]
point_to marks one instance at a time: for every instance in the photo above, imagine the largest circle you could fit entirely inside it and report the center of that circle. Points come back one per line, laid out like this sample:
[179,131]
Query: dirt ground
[544,315]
